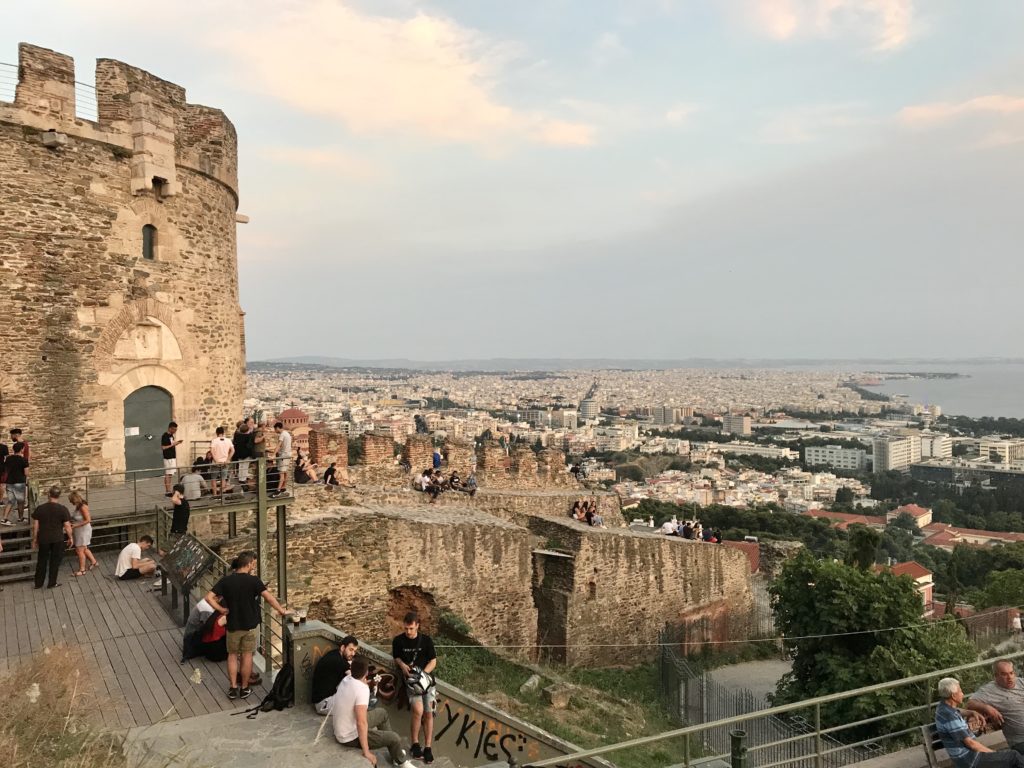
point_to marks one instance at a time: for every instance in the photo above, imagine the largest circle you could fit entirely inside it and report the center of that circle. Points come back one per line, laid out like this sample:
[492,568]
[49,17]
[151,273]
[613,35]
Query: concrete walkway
[758,677]
[270,740]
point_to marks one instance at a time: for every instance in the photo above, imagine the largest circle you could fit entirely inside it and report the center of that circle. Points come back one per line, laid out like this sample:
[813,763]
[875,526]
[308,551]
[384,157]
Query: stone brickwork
[552,470]
[524,467]
[493,465]
[460,455]
[418,453]
[360,565]
[95,320]
[620,583]
[327,447]
[378,449]
[511,565]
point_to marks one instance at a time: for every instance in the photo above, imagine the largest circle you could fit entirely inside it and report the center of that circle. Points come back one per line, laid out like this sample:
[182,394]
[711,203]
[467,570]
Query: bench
[932,743]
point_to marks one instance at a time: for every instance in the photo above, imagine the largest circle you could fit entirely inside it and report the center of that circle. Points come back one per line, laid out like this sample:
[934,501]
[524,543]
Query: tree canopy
[853,627]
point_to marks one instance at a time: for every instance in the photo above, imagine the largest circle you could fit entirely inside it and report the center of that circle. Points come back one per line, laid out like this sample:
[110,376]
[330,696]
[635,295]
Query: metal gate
[147,412]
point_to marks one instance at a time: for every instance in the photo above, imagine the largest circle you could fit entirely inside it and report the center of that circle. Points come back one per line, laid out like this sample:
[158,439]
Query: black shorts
[131,573]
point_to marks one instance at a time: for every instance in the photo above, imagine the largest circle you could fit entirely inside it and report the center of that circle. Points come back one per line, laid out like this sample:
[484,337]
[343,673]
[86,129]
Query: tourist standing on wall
[244,441]
[239,599]
[51,528]
[169,446]
[284,454]
[414,654]
[222,451]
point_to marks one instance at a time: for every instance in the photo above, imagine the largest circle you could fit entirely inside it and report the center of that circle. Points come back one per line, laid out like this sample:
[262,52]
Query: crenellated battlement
[137,111]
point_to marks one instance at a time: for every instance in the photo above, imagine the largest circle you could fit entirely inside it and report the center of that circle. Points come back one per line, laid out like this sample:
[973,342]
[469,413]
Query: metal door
[147,412]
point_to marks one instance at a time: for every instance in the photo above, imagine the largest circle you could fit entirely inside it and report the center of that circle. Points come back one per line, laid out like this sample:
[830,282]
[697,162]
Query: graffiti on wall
[465,730]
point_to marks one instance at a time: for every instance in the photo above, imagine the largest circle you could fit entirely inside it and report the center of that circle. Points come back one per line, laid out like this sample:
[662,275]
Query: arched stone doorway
[147,412]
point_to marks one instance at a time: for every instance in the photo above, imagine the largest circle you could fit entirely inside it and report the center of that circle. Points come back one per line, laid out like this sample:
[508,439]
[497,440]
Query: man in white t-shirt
[284,454]
[131,564]
[354,726]
[222,450]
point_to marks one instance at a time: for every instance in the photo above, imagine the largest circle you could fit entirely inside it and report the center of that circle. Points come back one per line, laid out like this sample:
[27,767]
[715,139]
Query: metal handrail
[816,703]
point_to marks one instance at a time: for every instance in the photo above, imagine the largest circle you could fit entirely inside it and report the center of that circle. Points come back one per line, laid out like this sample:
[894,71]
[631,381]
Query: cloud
[679,114]
[805,124]
[607,48]
[425,76]
[996,104]
[337,161]
[886,23]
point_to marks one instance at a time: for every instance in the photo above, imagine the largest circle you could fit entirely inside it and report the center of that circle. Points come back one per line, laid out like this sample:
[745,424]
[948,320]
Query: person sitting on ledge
[355,726]
[131,564]
[195,484]
[305,470]
[454,482]
[331,475]
[423,481]
[574,513]
[958,737]
[591,516]
[329,671]
[470,485]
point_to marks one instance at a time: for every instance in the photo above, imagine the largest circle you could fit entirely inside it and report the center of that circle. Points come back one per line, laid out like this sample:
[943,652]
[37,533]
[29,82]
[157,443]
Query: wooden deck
[129,640]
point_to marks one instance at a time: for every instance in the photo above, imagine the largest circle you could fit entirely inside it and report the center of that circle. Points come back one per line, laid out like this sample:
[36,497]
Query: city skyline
[670,180]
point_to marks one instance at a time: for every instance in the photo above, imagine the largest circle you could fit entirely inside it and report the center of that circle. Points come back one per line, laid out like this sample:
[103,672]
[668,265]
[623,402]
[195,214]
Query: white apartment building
[735,425]
[853,459]
[894,452]
[566,419]
[666,414]
[935,445]
[741,448]
[589,409]
[1000,450]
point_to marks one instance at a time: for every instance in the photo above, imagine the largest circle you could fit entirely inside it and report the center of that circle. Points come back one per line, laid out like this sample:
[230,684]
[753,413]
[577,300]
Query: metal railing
[86,103]
[272,637]
[814,746]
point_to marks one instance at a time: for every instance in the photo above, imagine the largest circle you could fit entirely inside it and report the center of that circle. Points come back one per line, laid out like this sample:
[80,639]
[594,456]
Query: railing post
[738,748]
[135,491]
[817,736]
[261,520]
[686,750]
[282,554]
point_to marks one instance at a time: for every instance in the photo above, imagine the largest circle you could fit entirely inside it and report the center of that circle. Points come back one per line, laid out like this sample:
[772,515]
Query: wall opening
[407,598]
[149,242]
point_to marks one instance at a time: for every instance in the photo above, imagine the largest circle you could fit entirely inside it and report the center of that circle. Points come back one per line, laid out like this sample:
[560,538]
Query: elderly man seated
[959,738]
[1001,702]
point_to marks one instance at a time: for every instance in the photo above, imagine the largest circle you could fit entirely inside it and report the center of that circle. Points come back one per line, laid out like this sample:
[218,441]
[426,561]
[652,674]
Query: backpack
[281,695]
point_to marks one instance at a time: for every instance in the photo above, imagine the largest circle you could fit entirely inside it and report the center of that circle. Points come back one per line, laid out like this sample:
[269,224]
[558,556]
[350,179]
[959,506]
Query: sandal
[79,573]
[93,565]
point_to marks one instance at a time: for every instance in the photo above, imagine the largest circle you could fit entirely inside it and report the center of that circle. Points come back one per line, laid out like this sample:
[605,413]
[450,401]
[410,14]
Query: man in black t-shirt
[240,592]
[16,471]
[181,511]
[51,526]
[169,446]
[412,649]
[330,670]
[244,441]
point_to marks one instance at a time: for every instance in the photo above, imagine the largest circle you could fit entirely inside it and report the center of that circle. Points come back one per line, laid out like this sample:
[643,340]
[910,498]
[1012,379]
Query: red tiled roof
[292,413]
[911,568]
[913,510]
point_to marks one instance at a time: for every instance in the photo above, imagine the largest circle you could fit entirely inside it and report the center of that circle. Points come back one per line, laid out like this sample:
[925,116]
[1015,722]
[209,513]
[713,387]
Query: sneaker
[6,522]
[416,751]
[405,764]
[245,693]
[428,755]
[232,693]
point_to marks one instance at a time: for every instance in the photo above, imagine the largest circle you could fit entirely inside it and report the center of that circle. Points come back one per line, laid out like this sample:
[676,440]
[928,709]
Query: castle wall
[96,321]
[623,586]
[357,564]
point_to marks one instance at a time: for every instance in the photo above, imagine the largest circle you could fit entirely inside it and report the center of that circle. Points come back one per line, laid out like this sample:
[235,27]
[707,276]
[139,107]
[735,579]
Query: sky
[603,178]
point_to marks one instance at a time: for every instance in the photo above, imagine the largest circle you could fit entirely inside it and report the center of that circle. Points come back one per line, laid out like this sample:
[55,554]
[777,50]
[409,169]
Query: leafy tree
[844,495]
[629,472]
[863,547]
[897,543]
[355,451]
[1004,588]
[851,628]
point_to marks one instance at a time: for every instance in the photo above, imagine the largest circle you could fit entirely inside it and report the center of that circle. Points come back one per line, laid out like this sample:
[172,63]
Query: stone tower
[118,266]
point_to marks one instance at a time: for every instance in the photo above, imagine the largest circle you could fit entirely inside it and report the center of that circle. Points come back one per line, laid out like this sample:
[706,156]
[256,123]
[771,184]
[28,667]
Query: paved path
[758,677]
[271,740]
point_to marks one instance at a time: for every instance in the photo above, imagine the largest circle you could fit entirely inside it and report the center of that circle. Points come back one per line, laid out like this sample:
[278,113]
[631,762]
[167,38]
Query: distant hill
[560,364]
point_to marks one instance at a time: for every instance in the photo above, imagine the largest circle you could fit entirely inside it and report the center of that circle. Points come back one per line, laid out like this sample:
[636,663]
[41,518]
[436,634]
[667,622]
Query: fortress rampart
[118,256]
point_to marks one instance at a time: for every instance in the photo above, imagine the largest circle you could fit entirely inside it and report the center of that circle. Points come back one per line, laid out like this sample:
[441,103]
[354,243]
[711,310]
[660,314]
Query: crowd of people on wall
[434,482]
